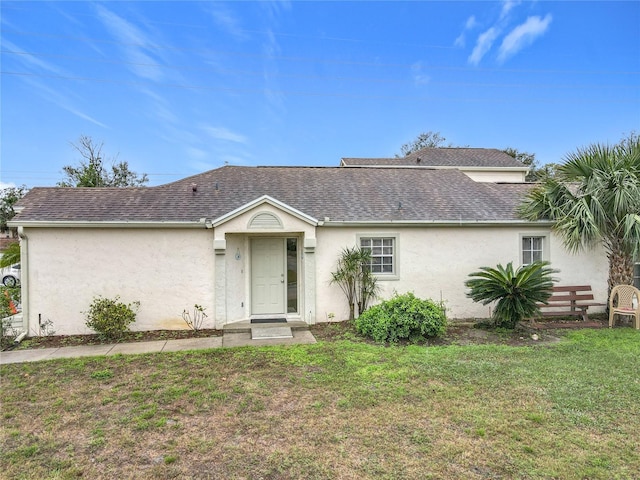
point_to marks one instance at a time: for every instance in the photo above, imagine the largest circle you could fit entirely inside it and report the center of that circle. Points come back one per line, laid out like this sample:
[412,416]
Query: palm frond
[516,293]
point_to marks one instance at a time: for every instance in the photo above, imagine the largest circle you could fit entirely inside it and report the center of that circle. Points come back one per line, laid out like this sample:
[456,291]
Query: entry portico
[265,263]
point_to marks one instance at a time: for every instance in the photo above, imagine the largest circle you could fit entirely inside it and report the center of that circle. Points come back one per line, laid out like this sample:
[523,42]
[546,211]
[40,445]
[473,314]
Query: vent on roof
[418,160]
[265,220]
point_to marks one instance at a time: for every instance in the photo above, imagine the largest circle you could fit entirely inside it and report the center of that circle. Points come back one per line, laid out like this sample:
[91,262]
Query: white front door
[268,276]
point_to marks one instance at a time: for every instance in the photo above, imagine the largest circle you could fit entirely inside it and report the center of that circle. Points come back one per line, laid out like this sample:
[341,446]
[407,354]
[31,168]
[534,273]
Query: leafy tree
[92,171]
[529,159]
[516,292]
[10,255]
[548,170]
[629,140]
[424,140]
[536,173]
[595,199]
[354,277]
[8,198]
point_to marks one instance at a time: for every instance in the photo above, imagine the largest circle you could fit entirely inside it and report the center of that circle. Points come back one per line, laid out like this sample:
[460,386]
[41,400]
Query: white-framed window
[384,253]
[533,248]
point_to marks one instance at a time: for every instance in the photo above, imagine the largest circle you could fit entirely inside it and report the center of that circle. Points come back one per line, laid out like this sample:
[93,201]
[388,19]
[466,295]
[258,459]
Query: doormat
[268,320]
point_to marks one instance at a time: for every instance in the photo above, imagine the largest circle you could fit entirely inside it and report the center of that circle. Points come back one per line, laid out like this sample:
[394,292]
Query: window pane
[292,275]
[381,250]
[532,249]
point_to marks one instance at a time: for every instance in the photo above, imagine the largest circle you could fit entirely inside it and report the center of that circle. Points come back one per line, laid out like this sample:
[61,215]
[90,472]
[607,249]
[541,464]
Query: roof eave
[437,223]
[442,167]
[202,223]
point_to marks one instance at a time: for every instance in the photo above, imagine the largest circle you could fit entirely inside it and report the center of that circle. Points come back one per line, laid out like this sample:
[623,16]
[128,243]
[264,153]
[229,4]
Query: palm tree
[595,199]
[517,293]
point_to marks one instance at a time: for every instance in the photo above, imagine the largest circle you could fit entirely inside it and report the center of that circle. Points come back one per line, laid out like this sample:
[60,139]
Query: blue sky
[178,88]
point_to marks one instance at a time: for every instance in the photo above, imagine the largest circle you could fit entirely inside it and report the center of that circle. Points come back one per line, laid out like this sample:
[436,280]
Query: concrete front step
[245,333]
[258,332]
[246,326]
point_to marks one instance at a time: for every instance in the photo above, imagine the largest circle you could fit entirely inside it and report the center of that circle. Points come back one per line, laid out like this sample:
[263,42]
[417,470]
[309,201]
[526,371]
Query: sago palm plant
[516,292]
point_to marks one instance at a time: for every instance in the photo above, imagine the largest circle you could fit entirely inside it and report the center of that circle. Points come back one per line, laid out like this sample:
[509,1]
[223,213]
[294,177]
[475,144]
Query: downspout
[24,280]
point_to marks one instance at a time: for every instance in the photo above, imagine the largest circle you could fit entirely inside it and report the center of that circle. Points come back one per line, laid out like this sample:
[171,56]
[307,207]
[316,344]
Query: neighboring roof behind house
[443,157]
[341,194]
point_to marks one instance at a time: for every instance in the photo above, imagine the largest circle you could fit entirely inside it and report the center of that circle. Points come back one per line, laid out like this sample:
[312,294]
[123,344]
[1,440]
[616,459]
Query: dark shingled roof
[342,194]
[443,157]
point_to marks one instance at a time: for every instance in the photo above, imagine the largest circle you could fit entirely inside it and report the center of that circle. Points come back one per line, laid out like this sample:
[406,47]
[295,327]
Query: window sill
[383,277]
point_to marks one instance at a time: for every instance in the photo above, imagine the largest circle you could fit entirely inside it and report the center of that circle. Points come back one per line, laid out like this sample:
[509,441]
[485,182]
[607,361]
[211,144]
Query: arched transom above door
[265,220]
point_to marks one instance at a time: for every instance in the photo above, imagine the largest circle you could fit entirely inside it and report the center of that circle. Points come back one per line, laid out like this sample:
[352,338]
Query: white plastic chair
[624,300]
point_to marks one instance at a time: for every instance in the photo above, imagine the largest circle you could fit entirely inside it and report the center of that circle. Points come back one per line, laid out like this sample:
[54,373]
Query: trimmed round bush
[402,317]
[110,317]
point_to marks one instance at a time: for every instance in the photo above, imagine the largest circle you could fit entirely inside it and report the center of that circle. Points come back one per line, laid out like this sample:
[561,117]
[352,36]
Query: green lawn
[340,409]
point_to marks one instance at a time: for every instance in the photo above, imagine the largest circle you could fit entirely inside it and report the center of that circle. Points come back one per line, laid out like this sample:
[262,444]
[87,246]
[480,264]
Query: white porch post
[220,248]
[309,254]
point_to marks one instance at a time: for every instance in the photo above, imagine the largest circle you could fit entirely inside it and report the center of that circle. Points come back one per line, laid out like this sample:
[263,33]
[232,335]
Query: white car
[11,275]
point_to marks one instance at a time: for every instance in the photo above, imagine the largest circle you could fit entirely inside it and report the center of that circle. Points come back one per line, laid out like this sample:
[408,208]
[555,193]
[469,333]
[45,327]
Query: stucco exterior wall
[495,176]
[167,270]
[434,262]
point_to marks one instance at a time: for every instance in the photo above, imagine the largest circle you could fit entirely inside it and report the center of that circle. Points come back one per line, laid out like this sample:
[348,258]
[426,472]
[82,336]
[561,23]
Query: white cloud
[58,98]
[523,35]
[271,49]
[222,133]
[136,44]
[4,185]
[419,77]
[225,19]
[160,108]
[30,60]
[196,153]
[507,6]
[84,116]
[483,45]
[471,23]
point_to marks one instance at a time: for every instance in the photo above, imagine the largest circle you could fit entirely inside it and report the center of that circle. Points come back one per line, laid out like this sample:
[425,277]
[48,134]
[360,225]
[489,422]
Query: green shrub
[402,317]
[110,317]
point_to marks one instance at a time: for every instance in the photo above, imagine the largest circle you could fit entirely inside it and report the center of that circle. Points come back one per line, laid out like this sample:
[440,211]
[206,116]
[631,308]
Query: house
[261,242]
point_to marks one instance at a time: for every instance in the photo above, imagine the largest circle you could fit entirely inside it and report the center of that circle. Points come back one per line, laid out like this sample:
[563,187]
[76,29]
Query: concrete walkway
[232,338]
